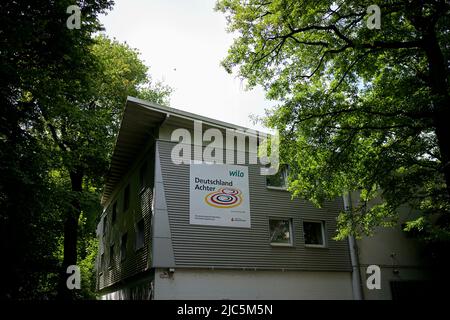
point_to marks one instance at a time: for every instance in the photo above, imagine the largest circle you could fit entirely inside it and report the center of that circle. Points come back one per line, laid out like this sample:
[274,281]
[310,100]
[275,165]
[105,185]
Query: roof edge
[188,115]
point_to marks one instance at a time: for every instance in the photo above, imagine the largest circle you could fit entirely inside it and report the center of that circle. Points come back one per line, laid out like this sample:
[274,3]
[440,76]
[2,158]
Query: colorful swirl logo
[224,198]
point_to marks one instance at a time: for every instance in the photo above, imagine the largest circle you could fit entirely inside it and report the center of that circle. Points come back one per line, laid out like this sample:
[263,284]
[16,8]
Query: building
[202,231]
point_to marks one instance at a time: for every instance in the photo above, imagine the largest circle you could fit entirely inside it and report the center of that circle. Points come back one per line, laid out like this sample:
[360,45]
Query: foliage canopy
[62,95]
[358,108]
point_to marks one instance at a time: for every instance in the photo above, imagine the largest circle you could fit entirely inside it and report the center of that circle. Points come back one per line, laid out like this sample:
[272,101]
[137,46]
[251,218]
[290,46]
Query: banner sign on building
[219,195]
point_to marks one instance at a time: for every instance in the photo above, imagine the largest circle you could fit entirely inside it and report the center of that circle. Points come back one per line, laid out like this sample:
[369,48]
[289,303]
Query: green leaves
[62,92]
[357,108]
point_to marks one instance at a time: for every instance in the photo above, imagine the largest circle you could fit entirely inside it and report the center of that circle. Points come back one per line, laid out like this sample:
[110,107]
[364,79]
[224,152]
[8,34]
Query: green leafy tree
[359,108]
[62,94]
[35,48]
[80,128]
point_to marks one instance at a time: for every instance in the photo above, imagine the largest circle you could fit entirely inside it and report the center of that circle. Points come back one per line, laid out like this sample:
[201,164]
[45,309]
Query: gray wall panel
[214,246]
[137,260]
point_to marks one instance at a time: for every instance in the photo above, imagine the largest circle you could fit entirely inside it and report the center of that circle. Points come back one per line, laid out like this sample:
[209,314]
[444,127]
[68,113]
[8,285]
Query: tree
[81,127]
[63,92]
[359,108]
[35,47]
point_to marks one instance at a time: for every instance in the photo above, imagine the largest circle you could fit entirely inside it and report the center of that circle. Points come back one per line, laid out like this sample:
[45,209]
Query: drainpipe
[356,275]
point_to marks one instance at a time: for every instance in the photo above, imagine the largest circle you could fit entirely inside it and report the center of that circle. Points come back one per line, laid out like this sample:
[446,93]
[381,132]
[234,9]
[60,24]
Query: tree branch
[55,136]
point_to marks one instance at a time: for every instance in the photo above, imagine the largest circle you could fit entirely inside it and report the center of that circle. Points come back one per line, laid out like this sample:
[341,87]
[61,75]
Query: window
[280,232]
[104,225]
[114,212]
[278,180]
[102,263]
[140,237]
[111,255]
[143,177]
[126,198]
[123,247]
[314,233]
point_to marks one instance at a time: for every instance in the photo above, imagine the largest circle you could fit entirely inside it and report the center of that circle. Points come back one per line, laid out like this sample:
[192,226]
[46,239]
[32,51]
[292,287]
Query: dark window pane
[123,247]
[140,234]
[111,255]
[126,198]
[280,231]
[279,179]
[102,262]
[313,233]
[114,212]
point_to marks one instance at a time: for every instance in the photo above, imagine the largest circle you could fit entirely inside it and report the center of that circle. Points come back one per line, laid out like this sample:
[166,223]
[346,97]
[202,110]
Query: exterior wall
[213,246]
[162,237]
[132,290]
[139,260]
[261,284]
[400,257]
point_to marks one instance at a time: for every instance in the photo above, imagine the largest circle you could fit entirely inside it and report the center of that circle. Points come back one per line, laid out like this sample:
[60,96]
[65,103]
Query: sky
[183,43]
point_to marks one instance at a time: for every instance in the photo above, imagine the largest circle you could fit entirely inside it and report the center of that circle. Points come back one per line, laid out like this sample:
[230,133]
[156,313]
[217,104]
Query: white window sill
[319,246]
[277,188]
[281,244]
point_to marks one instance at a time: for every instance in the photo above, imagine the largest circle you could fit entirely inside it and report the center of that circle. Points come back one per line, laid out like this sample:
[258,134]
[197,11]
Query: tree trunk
[443,135]
[441,100]
[71,234]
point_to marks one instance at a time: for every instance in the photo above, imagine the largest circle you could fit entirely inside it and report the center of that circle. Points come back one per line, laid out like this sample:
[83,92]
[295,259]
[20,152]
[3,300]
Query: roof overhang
[139,123]
[137,126]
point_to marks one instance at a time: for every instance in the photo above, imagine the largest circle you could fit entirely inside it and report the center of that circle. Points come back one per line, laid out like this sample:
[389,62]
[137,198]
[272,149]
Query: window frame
[291,232]
[126,197]
[136,248]
[114,212]
[104,224]
[323,231]
[101,264]
[111,259]
[285,171]
[123,251]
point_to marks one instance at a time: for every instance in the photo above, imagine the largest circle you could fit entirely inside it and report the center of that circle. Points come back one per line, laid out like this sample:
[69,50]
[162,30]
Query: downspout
[356,275]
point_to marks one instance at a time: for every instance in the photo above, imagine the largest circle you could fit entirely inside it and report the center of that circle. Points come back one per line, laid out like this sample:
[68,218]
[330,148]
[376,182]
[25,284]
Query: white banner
[219,195]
